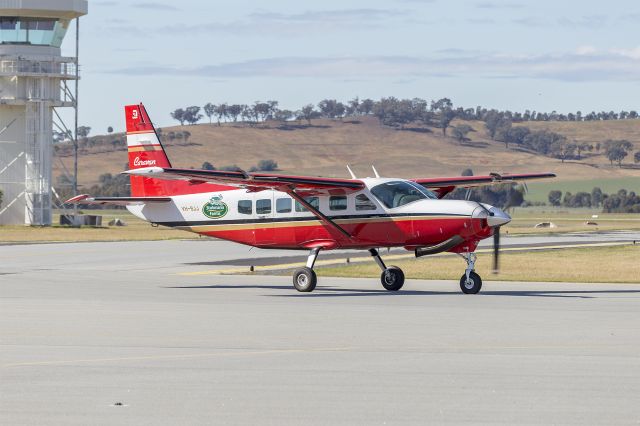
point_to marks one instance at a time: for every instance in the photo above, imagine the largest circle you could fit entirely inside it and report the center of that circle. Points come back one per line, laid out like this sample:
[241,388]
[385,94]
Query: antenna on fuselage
[353,176]
[375,172]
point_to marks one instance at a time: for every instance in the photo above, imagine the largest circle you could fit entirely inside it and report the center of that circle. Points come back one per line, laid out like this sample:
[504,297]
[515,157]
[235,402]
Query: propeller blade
[496,250]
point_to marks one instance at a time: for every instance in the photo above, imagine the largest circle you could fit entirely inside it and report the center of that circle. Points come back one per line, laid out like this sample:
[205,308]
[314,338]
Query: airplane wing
[252,181]
[116,201]
[445,185]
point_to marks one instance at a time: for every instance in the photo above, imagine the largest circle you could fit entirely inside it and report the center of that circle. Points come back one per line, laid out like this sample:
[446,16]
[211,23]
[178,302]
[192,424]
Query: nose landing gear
[470,282]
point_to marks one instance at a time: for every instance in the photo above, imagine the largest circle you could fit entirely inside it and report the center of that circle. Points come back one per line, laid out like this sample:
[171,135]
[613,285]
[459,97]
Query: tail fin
[145,150]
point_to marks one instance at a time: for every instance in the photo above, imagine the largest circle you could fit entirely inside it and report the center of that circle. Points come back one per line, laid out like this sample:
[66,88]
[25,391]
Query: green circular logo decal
[215,209]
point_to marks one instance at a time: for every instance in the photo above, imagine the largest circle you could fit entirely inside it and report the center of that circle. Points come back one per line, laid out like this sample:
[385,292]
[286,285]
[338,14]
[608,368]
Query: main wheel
[304,279]
[471,285]
[392,278]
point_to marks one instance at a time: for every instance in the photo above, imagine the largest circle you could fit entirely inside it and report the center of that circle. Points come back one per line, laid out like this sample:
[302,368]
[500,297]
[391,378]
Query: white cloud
[585,64]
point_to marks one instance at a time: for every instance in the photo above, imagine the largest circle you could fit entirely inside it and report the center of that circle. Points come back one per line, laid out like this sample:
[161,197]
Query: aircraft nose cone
[497,217]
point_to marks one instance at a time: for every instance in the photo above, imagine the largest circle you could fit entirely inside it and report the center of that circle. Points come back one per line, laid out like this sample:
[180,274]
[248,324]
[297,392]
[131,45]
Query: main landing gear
[392,277]
[470,282]
[305,279]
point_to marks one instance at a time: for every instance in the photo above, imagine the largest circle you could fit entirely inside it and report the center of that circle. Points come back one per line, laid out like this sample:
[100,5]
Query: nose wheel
[470,282]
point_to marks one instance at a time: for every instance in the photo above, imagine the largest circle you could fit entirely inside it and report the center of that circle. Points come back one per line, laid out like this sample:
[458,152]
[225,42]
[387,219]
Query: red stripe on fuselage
[387,233]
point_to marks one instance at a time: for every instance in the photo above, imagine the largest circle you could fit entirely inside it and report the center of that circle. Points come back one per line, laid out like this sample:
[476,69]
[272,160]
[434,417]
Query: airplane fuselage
[372,217]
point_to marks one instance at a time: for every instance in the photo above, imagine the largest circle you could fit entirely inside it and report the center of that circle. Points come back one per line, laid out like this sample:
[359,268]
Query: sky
[507,54]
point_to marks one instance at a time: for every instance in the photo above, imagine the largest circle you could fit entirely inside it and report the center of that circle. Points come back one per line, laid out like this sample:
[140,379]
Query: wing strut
[323,218]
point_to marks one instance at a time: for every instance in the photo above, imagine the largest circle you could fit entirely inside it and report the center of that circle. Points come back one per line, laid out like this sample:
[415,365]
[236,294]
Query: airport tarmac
[115,333]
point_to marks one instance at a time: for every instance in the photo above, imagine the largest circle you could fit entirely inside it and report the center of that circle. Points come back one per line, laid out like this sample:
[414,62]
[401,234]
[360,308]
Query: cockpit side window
[399,193]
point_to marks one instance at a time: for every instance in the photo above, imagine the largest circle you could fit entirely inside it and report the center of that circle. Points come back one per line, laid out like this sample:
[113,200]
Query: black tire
[304,279]
[392,278]
[474,284]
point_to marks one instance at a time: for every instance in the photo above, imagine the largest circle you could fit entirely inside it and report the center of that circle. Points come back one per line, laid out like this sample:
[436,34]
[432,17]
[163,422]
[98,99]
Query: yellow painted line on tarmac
[169,357]
[360,259]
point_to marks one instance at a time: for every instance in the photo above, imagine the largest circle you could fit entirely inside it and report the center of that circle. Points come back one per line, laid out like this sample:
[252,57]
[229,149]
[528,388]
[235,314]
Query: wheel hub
[302,280]
[389,278]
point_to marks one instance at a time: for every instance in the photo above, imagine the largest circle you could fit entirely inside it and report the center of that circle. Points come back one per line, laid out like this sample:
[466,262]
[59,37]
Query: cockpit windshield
[398,193]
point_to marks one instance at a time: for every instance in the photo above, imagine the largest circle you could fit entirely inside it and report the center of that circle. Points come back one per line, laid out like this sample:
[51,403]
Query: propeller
[515,197]
[496,250]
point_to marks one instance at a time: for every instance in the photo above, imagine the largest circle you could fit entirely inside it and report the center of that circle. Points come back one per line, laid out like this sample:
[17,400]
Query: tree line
[390,111]
[621,202]
[503,126]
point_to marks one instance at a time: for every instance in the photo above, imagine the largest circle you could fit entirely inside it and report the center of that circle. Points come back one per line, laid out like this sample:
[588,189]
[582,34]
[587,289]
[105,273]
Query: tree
[0,197]
[564,150]
[179,116]
[441,104]
[328,108]
[460,132]
[246,113]
[109,129]
[207,166]
[283,115]
[617,150]
[339,110]
[234,111]
[308,112]
[596,196]
[445,117]
[636,157]
[267,165]
[583,147]
[617,154]
[221,111]
[467,172]
[512,135]
[260,111]
[192,114]
[209,110]
[493,121]
[83,131]
[555,197]
[366,106]
[353,106]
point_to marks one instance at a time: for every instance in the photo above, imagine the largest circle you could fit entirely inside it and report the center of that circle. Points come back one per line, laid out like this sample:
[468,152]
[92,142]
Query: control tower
[34,80]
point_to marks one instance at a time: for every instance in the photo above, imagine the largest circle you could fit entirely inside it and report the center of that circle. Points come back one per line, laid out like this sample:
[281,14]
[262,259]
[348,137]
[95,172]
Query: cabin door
[265,214]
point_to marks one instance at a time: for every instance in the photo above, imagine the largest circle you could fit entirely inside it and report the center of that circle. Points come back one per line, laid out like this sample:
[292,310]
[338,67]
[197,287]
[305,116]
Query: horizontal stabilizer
[116,201]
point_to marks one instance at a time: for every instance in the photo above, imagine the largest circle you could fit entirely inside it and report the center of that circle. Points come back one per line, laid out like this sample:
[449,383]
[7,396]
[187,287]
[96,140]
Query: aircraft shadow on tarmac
[324,291]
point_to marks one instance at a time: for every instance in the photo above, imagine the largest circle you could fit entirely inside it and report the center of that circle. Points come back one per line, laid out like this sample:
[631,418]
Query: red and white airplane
[308,213]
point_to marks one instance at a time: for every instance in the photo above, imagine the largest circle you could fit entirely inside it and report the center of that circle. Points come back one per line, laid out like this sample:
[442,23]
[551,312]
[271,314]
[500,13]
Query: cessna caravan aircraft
[273,211]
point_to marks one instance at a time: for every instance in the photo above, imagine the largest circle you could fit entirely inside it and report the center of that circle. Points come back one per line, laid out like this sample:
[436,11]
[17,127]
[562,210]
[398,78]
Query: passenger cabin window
[364,203]
[283,205]
[338,202]
[314,201]
[399,193]
[245,207]
[263,206]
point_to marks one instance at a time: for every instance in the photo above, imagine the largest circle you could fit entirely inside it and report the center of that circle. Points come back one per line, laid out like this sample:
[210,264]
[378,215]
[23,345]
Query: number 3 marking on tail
[135,114]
